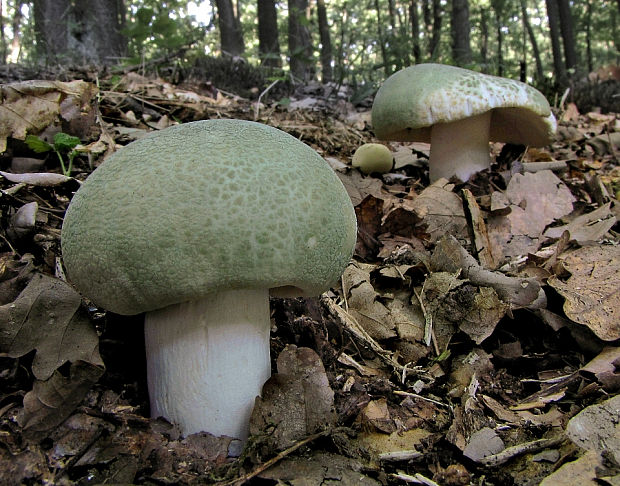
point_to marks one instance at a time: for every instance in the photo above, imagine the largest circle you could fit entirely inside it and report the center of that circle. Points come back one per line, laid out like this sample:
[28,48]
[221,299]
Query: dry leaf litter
[473,339]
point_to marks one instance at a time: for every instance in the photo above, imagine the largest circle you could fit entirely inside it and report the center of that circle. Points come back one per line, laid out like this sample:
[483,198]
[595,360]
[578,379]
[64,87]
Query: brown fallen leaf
[376,417]
[535,201]
[597,428]
[371,314]
[605,367]
[14,275]
[581,472]
[592,293]
[28,107]
[296,401]
[382,445]
[320,468]
[483,443]
[488,255]
[51,401]
[369,213]
[26,466]
[43,179]
[441,211]
[46,317]
[588,227]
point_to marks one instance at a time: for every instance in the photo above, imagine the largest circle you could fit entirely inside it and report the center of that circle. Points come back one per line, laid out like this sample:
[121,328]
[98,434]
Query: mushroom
[196,225]
[373,157]
[458,112]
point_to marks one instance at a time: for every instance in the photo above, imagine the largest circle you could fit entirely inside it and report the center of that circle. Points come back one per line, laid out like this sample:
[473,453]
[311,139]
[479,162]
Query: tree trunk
[326,42]
[299,42]
[3,40]
[530,32]
[268,42]
[95,33]
[589,37]
[484,40]
[231,37]
[414,19]
[500,43]
[568,35]
[436,36]
[461,47]
[381,38]
[426,12]
[88,31]
[51,19]
[554,33]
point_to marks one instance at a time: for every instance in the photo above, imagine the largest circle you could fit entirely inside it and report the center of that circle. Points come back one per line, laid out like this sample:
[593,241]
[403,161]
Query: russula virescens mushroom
[196,225]
[458,112]
[373,157]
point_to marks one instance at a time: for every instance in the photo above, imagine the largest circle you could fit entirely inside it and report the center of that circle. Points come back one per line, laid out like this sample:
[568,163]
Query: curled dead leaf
[28,107]
[592,293]
[51,401]
[46,317]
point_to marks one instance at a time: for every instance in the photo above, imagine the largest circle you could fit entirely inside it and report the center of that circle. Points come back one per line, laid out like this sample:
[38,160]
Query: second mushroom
[458,112]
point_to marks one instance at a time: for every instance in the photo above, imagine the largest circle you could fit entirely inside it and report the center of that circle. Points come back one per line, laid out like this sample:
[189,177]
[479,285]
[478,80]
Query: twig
[510,452]
[415,479]
[265,91]
[274,460]
[351,325]
[429,330]
[415,395]
[555,165]
[399,456]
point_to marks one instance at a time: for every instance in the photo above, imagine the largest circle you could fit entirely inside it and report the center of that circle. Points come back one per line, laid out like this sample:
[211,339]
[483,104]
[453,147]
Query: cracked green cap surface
[412,100]
[203,207]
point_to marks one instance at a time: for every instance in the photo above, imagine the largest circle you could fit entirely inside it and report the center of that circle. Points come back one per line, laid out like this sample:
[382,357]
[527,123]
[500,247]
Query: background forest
[548,43]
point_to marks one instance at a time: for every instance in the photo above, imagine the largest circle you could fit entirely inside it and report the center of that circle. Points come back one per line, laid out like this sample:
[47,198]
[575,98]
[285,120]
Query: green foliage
[155,28]
[370,38]
[64,146]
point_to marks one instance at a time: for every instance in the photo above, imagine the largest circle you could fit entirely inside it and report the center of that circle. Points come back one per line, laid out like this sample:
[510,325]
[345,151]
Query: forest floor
[473,339]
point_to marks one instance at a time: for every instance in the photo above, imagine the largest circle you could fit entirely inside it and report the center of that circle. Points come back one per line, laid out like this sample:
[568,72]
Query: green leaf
[64,142]
[38,145]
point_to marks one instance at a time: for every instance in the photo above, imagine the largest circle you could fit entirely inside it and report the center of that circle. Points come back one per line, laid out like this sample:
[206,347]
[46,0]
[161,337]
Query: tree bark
[51,18]
[589,37]
[461,46]
[414,19]
[484,40]
[436,36]
[500,37]
[326,42]
[530,32]
[554,33]
[568,35]
[268,42]
[3,40]
[299,42]
[231,37]
[88,31]
[381,37]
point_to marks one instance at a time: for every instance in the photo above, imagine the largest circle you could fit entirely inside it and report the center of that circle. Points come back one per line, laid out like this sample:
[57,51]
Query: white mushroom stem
[208,360]
[460,148]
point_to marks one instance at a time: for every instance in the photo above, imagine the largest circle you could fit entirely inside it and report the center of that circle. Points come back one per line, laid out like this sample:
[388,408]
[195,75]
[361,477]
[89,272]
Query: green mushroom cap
[204,207]
[373,157]
[414,99]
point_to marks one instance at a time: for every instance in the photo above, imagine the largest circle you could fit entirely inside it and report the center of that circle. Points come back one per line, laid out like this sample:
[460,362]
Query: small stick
[517,450]
[415,395]
[257,104]
[274,460]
